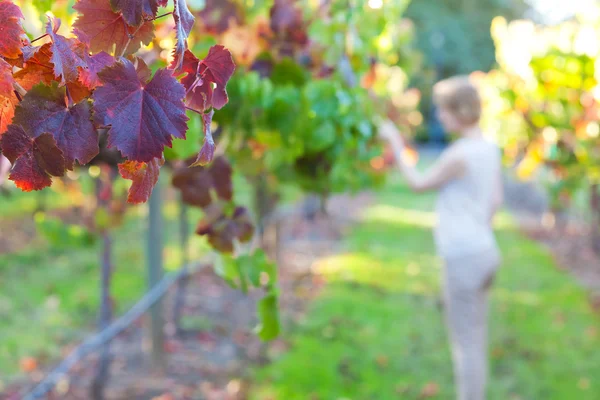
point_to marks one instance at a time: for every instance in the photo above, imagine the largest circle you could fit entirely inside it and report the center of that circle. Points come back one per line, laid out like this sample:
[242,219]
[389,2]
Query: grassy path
[376,330]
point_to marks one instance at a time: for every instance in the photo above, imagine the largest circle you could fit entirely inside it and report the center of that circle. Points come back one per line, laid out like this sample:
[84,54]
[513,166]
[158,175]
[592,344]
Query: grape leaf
[102,28]
[218,14]
[44,109]
[217,68]
[8,100]
[144,177]
[221,171]
[66,61]
[134,11]
[40,68]
[207,151]
[11,29]
[34,159]
[89,76]
[37,69]
[144,116]
[221,230]
[268,314]
[196,183]
[29,51]
[184,21]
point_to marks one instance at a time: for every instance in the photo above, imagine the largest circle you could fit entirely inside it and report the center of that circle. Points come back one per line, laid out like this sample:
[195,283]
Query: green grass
[376,330]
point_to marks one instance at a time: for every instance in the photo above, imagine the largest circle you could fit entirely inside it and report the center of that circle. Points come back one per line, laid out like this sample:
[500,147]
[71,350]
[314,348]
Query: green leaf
[288,72]
[322,137]
[268,315]
[226,267]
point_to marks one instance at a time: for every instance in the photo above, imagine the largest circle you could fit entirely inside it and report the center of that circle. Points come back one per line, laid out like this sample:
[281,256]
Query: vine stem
[19,89]
[194,110]
[132,35]
[38,38]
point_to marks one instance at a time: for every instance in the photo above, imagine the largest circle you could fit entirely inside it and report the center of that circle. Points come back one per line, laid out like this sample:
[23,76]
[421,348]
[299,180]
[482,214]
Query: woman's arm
[449,166]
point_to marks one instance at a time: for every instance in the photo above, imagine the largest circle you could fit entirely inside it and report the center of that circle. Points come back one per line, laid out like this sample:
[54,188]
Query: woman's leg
[466,286]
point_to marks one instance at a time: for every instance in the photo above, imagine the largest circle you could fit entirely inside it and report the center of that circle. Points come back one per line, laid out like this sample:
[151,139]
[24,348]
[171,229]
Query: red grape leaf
[217,68]
[44,109]
[217,15]
[40,68]
[34,159]
[134,11]
[29,51]
[65,60]
[89,76]
[102,28]
[288,25]
[184,21]
[221,171]
[221,230]
[11,29]
[196,183]
[144,177]
[8,100]
[144,116]
[37,69]
[208,147]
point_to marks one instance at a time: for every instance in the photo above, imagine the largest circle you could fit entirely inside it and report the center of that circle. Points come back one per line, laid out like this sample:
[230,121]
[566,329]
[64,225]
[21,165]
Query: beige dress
[466,242]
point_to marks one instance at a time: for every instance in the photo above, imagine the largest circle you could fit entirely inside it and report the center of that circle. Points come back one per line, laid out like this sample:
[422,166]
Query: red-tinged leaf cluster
[217,15]
[184,20]
[44,110]
[211,189]
[144,177]
[34,160]
[200,76]
[64,57]
[105,29]
[144,116]
[48,122]
[287,23]
[8,99]
[223,230]
[10,29]
[197,183]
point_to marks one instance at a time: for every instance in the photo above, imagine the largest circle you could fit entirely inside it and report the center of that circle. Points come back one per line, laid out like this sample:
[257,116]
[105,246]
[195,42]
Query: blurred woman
[468,178]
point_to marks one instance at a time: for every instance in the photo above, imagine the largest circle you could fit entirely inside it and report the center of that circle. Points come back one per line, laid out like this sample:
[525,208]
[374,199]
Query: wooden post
[155,274]
[184,235]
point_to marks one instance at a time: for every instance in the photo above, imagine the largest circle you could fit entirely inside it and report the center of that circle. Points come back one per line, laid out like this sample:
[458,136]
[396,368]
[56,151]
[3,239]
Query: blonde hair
[459,95]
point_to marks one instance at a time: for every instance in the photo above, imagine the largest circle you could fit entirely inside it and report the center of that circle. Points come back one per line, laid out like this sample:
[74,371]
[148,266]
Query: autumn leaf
[184,21]
[89,76]
[11,29]
[144,177]
[8,100]
[135,11]
[207,151]
[102,29]
[196,183]
[143,116]
[217,68]
[221,173]
[217,15]
[44,109]
[34,160]
[37,69]
[66,61]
